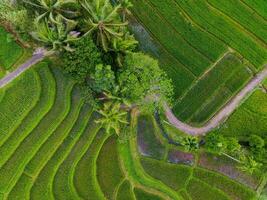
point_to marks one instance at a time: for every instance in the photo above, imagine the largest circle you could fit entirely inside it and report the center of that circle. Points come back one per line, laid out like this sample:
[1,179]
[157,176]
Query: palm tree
[122,46]
[125,6]
[190,143]
[112,117]
[52,8]
[104,19]
[58,35]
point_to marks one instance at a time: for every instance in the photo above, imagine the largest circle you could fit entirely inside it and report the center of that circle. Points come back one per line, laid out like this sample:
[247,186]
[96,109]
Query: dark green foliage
[232,145]
[215,143]
[190,143]
[143,82]
[103,79]
[83,60]
[256,142]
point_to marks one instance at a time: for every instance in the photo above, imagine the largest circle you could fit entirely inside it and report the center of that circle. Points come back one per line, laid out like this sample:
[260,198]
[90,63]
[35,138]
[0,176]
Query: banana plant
[52,8]
[104,19]
[58,36]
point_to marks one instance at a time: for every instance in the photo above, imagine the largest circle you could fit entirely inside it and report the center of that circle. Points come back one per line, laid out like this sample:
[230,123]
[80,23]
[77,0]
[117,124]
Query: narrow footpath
[37,56]
[223,114]
[218,119]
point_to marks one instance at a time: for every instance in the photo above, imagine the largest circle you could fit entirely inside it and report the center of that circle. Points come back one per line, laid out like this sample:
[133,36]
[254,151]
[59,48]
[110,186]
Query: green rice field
[208,63]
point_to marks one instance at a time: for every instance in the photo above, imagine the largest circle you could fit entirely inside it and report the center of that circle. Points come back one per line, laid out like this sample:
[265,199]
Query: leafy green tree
[113,119]
[50,9]
[256,142]
[215,143]
[103,79]
[190,143]
[12,13]
[103,18]
[57,36]
[81,62]
[143,83]
[233,146]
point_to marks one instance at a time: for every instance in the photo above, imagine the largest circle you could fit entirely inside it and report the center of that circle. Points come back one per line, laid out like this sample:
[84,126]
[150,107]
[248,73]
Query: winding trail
[220,117]
[37,56]
[223,114]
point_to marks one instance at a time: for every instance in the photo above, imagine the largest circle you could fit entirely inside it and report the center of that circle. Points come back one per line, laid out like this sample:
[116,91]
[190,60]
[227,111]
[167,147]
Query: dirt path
[223,114]
[37,56]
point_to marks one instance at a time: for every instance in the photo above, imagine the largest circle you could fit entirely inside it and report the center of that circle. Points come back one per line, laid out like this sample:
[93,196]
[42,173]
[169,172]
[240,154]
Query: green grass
[249,118]
[40,159]
[143,195]
[221,27]
[125,191]
[170,39]
[174,176]
[199,190]
[14,167]
[85,180]
[109,174]
[57,137]
[63,186]
[43,105]
[42,188]
[10,51]
[259,6]
[234,189]
[211,90]
[244,16]
[20,97]
[148,142]
[206,44]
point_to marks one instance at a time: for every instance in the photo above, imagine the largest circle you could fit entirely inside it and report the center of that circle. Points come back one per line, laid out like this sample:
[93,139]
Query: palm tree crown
[58,35]
[103,18]
[112,117]
[52,8]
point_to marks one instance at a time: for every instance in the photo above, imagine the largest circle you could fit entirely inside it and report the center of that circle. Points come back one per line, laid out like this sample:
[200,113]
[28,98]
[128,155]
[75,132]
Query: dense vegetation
[87,123]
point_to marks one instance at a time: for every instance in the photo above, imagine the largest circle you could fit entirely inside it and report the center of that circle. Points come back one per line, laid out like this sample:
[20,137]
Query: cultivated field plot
[10,51]
[250,118]
[194,176]
[210,49]
[51,147]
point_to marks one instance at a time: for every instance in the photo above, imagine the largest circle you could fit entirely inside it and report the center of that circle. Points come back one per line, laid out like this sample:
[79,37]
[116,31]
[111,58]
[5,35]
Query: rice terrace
[133,100]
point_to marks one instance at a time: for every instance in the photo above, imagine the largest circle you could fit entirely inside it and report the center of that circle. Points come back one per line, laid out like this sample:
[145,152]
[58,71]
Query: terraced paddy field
[11,53]
[53,149]
[194,176]
[210,49]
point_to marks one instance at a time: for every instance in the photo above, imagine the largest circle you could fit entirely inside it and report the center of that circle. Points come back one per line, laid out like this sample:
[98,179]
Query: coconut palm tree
[125,6]
[122,46]
[113,118]
[52,8]
[58,36]
[103,19]
[190,143]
